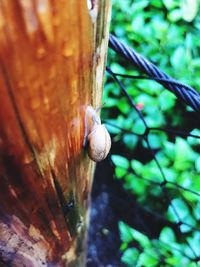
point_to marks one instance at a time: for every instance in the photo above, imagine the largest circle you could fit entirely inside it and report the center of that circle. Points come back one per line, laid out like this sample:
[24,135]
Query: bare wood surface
[52,56]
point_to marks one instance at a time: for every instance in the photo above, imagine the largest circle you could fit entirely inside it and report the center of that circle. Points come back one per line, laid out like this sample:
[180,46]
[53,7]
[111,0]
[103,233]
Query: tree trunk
[52,57]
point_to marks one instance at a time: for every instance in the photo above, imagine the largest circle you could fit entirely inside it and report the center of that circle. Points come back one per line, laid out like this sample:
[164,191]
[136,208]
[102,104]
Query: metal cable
[184,92]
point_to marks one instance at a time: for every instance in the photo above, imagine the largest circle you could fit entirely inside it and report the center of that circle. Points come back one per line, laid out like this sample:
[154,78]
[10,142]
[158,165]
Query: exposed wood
[52,57]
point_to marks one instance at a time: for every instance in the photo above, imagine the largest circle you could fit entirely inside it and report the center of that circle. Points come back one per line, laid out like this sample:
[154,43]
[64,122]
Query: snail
[97,139]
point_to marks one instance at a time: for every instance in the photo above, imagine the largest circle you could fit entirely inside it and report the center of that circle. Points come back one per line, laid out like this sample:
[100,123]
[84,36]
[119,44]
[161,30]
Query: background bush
[167,32]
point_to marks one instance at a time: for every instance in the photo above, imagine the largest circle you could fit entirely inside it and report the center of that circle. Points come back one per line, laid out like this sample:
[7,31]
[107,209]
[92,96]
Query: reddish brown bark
[51,68]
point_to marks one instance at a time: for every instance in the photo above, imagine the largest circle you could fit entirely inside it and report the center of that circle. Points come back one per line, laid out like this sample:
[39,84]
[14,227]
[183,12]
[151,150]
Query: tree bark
[52,59]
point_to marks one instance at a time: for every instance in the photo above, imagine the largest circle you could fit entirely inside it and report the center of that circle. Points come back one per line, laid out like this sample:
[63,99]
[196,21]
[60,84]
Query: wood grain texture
[52,57]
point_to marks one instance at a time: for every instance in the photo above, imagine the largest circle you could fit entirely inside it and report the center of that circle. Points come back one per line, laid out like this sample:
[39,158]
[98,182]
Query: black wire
[151,78]
[127,95]
[184,92]
[163,184]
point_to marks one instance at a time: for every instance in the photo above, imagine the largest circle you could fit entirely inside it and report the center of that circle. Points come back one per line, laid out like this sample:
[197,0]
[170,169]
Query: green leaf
[128,123]
[123,105]
[197,210]
[156,3]
[136,185]
[169,150]
[124,246]
[173,261]
[129,234]
[117,68]
[160,27]
[110,89]
[191,223]
[195,241]
[175,15]
[167,235]
[137,166]
[170,174]
[190,9]
[120,172]
[148,87]
[130,141]
[139,6]
[141,238]
[137,23]
[181,209]
[170,4]
[110,102]
[120,161]
[183,155]
[178,58]
[155,117]
[126,233]
[151,171]
[138,127]
[111,128]
[195,63]
[130,256]
[148,259]
[147,100]
[197,164]
[166,100]
[193,140]
[154,140]
[120,121]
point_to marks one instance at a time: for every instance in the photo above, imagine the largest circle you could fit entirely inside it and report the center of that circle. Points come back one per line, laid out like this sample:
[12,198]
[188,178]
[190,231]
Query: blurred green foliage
[167,32]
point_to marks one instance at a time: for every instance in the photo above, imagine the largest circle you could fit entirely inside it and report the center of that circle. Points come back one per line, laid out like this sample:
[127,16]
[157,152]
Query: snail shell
[99,143]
